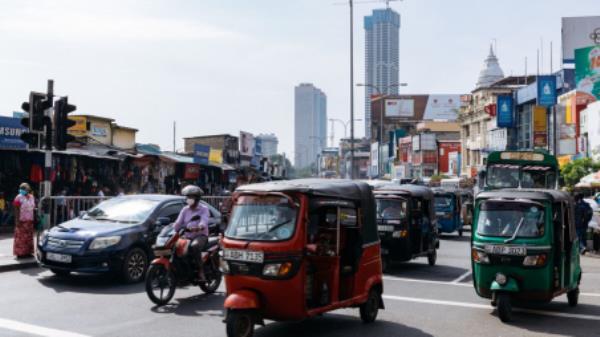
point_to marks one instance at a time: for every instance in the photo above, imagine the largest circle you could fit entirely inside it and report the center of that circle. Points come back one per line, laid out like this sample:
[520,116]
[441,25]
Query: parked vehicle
[174,267]
[448,210]
[524,247]
[406,223]
[296,249]
[466,208]
[114,236]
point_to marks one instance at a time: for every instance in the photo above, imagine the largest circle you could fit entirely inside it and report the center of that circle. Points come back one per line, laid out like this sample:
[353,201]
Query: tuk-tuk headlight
[277,269]
[400,234]
[223,266]
[501,279]
[479,256]
[534,260]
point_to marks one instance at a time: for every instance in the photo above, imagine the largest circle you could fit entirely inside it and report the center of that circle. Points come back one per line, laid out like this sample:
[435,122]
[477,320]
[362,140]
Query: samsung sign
[10,133]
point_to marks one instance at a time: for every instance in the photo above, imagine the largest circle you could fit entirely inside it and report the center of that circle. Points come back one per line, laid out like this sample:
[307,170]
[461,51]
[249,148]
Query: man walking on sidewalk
[583,215]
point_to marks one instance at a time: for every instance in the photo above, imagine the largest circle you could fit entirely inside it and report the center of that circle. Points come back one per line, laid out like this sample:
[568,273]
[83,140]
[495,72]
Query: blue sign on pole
[10,133]
[546,90]
[201,154]
[505,115]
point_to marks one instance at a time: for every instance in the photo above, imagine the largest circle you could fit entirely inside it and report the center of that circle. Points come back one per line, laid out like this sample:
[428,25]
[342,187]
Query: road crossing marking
[489,307]
[31,329]
[461,277]
[455,283]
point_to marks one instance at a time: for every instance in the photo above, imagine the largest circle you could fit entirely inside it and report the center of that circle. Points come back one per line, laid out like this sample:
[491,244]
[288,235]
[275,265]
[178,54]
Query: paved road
[420,301]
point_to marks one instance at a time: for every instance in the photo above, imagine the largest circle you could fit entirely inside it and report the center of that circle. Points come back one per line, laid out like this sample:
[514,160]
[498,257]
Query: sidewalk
[7,261]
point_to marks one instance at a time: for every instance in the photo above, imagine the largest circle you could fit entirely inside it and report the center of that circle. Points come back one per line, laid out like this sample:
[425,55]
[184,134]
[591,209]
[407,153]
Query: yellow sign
[539,119]
[80,127]
[215,156]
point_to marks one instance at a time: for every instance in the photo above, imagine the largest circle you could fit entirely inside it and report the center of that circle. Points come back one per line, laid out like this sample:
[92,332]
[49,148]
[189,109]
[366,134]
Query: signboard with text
[540,138]
[587,72]
[10,133]
[505,115]
[201,154]
[546,90]
[399,107]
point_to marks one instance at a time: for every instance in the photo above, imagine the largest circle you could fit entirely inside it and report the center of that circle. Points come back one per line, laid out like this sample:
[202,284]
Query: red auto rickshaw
[299,248]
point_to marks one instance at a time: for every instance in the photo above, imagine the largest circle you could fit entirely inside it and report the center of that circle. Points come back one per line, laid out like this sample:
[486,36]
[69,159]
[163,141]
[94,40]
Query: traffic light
[62,123]
[36,120]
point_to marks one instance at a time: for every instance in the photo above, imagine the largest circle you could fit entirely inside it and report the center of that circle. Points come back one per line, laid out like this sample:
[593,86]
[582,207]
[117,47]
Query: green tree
[574,170]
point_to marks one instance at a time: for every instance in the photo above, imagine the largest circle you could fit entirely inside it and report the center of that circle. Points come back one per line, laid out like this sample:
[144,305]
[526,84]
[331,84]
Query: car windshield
[503,176]
[269,218]
[504,219]
[123,210]
[391,209]
[443,201]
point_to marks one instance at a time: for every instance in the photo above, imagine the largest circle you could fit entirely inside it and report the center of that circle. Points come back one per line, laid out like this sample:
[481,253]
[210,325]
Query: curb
[25,264]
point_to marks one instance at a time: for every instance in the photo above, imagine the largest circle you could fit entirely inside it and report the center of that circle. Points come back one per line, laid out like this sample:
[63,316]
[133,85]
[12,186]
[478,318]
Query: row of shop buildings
[106,157]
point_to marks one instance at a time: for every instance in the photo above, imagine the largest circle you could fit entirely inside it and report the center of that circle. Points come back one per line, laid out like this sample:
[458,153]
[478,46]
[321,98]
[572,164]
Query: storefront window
[524,126]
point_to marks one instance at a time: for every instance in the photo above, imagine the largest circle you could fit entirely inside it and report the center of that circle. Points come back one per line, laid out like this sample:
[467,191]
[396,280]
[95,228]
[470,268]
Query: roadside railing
[215,201]
[58,209]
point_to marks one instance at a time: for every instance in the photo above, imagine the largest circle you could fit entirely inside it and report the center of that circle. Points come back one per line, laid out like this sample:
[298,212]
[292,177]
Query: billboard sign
[442,107]
[579,32]
[505,115]
[395,107]
[201,154]
[546,90]
[246,144]
[587,72]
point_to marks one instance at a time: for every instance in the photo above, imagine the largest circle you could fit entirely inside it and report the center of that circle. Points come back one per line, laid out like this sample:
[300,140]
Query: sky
[221,66]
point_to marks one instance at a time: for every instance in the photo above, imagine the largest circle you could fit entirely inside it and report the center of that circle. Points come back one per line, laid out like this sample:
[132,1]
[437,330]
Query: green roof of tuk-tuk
[530,194]
[550,160]
[404,189]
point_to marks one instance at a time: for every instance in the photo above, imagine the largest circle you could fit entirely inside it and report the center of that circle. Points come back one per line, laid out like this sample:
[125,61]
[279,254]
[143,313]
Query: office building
[310,124]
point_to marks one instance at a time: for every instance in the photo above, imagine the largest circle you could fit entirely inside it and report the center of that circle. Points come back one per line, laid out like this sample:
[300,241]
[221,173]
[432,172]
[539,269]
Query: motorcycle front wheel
[212,283]
[160,284]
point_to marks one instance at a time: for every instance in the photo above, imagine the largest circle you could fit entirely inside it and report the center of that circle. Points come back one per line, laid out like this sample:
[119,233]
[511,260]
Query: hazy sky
[218,66]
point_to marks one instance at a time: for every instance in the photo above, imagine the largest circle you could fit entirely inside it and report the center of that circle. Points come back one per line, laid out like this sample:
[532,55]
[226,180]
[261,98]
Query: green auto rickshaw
[524,247]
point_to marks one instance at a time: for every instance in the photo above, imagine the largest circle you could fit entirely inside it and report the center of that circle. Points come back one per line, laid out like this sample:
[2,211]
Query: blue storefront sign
[505,115]
[201,154]
[10,133]
[546,90]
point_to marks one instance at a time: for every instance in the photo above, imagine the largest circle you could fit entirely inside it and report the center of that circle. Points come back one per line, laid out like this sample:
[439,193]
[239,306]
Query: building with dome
[477,117]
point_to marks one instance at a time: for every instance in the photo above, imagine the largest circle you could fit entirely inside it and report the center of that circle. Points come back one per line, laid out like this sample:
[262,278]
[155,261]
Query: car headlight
[277,269]
[480,257]
[534,260]
[44,237]
[501,279]
[104,242]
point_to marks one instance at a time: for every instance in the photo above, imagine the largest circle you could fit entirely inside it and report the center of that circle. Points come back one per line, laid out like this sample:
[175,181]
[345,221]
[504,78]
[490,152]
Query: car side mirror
[162,221]
[82,214]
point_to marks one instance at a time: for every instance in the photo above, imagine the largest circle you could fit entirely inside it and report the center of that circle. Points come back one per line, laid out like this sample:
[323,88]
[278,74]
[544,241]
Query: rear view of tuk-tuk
[514,251]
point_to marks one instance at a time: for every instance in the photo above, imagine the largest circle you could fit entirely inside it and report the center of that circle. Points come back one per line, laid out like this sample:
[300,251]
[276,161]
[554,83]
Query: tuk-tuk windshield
[391,209]
[503,176]
[443,201]
[504,219]
[269,218]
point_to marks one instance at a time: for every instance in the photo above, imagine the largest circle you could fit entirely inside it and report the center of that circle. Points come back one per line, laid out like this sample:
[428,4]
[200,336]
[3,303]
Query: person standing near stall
[24,208]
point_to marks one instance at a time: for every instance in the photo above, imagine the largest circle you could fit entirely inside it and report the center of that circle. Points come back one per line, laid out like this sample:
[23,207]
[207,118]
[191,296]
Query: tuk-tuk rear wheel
[240,323]
[370,309]
[573,297]
[432,257]
[504,307]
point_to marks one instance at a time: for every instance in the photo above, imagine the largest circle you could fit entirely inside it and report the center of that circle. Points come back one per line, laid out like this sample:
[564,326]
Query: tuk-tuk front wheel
[504,307]
[432,257]
[460,232]
[240,323]
[573,297]
[370,309]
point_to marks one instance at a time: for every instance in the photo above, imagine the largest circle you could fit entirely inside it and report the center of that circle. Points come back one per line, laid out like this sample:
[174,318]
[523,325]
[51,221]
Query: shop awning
[173,157]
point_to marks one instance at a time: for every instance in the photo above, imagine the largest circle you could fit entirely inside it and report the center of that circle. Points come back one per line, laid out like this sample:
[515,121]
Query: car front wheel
[134,265]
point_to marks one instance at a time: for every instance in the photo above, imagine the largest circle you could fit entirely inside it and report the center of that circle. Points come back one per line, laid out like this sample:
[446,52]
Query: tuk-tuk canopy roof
[335,188]
[532,194]
[445,191]
[406,189]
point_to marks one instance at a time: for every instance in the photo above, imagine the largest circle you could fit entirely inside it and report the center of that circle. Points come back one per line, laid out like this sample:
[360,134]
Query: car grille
[60,243]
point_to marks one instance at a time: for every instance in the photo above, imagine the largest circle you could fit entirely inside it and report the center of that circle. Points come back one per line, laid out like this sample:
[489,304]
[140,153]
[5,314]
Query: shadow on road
[422,271]
[201,305]
[454,237]
[90,284]
[337,325]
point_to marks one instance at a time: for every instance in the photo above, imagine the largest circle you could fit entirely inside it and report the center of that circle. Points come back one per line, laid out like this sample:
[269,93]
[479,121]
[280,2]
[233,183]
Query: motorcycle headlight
[161,241]
[104,242]
[277,269]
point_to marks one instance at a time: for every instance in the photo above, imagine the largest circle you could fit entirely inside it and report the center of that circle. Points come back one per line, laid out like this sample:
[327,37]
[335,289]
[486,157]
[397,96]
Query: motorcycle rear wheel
[160,284]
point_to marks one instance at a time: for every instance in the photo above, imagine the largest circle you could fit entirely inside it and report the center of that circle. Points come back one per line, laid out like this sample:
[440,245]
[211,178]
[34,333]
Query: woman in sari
[24,206]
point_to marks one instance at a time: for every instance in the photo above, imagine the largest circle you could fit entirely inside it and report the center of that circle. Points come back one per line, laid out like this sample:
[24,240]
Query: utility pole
[46,188]
[174,128]
[351,90]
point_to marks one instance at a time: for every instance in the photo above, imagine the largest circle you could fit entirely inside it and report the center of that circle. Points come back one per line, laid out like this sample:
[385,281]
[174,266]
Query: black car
[114,236]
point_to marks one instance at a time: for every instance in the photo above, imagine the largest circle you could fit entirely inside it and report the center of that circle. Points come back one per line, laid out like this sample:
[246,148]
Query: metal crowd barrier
[58,209]
[215,201]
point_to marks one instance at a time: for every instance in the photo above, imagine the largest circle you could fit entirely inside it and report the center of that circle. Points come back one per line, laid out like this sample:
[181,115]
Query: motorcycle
[173,267]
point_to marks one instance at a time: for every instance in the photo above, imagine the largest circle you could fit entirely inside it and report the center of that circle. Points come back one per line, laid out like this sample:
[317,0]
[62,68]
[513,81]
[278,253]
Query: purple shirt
[200,226]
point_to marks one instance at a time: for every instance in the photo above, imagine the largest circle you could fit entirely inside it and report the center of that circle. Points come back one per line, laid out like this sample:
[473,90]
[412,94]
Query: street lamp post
[345,124]
[380,138]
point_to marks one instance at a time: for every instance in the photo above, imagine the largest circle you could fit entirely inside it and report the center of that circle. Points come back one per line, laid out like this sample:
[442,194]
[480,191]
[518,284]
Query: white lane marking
[404,279]
[462,277]
[452,283]
[36,329]
[489,307]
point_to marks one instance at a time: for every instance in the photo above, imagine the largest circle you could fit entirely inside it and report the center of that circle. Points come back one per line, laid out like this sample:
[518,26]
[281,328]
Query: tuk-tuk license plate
[243,255]
[505,250]
[385,228]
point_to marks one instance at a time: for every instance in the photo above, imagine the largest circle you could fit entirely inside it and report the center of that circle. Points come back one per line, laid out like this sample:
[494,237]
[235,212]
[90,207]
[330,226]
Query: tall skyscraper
[382,55]
[310,124]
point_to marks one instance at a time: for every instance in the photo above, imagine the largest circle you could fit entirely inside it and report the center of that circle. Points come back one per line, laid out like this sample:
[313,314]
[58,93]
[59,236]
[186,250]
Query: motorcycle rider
[194,218]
